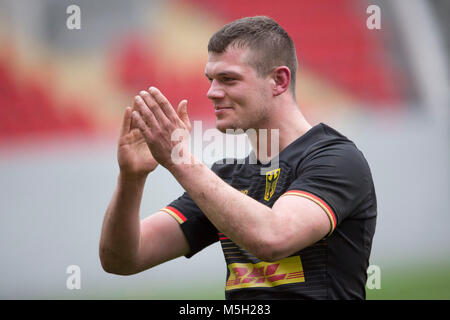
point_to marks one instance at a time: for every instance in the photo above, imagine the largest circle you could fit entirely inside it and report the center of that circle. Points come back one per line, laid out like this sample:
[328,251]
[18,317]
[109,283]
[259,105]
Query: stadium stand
[27,108]
[332,42]
[332,39]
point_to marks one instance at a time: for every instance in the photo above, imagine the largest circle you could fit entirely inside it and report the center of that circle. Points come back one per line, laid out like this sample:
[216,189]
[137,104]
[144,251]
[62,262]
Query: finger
[141,125]
[183,114]
[126,122]
[133,122]
[164,104]
[146,114]
[153,106]
[135,108]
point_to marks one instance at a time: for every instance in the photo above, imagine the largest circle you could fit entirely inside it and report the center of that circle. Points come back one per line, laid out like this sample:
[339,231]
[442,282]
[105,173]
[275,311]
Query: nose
[215,91]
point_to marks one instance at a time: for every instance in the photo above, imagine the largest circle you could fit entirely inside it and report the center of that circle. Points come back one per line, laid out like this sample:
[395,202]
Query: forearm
[120,237]
[244,220]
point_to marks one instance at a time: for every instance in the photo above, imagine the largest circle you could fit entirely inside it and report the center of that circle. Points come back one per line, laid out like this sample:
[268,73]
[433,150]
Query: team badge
[271,183]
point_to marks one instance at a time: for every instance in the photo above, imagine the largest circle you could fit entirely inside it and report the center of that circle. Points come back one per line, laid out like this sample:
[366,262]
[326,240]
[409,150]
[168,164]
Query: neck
[282,129]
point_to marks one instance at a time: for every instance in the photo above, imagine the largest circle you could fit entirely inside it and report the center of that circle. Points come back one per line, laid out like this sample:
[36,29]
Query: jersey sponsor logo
[271,183]
[265,274]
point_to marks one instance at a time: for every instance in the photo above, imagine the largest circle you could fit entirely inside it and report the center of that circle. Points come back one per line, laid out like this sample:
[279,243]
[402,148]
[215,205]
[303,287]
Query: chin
[222,127]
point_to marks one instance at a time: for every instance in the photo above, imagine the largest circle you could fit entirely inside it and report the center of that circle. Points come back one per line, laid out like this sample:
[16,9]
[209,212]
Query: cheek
[261,95]
[250,97]
[239,97]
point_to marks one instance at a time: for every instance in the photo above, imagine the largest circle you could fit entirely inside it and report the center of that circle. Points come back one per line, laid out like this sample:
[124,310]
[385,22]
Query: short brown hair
[271,44]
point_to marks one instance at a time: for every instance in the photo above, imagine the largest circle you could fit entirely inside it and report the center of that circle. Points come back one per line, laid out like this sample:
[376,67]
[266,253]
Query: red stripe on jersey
[325,205]
[178,213]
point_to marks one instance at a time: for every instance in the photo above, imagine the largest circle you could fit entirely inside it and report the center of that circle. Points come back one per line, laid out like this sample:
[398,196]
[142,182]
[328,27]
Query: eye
[227,79]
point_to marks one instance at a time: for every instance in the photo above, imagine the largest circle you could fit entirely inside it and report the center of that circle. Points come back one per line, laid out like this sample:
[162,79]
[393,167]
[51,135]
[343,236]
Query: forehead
[232,60]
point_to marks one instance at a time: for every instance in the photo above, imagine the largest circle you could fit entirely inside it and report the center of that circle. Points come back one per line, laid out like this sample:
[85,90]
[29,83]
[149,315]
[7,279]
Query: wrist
[181,168]
[132,178]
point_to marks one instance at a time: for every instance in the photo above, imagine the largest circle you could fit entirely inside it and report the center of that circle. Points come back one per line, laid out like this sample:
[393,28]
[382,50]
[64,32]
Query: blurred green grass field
[423,282]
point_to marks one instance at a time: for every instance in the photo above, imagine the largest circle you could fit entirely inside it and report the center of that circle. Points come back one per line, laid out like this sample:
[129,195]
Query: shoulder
[338,165]
[327,139]
[321,144]
[327,154]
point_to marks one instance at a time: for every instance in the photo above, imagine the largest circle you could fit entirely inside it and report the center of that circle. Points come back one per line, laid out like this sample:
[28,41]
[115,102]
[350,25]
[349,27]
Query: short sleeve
[337,178]
[199,231]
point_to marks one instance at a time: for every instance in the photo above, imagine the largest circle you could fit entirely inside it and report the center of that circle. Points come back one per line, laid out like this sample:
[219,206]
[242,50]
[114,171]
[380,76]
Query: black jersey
[325,167]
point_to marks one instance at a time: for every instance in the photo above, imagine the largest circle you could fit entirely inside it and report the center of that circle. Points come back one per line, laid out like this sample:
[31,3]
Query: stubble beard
[257,120]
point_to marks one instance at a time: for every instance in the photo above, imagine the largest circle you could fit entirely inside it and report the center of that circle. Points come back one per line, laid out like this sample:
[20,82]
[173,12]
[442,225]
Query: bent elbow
[118,271]
[268,252]
[269,255]
[114,266]
[274,249]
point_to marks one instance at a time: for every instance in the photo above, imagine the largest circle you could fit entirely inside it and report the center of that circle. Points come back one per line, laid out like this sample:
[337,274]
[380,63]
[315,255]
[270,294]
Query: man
[300,231]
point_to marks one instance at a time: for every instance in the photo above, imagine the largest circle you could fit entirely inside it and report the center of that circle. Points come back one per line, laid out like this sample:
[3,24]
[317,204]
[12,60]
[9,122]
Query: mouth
[221,109]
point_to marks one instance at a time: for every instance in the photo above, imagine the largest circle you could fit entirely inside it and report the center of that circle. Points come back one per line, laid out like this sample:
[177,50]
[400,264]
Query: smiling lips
[220,109]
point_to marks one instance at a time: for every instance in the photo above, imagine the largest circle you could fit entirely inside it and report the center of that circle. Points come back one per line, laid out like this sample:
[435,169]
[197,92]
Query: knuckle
[152,105]
[141,107]
[158,99]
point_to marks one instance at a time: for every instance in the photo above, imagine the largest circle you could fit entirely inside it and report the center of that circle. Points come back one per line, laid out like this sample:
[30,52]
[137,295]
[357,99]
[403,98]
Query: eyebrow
[224,73]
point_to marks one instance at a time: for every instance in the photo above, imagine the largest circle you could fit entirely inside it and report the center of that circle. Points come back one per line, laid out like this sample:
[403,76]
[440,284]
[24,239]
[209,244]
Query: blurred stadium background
[62,94]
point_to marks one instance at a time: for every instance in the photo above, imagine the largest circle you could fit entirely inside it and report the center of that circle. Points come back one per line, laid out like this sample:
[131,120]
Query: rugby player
[302,230]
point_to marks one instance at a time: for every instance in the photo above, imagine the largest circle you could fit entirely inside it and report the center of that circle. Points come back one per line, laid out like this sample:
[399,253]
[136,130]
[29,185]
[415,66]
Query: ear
[281,78]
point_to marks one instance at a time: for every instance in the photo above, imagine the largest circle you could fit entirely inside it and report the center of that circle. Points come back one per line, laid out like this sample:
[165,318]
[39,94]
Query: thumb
[182,113]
